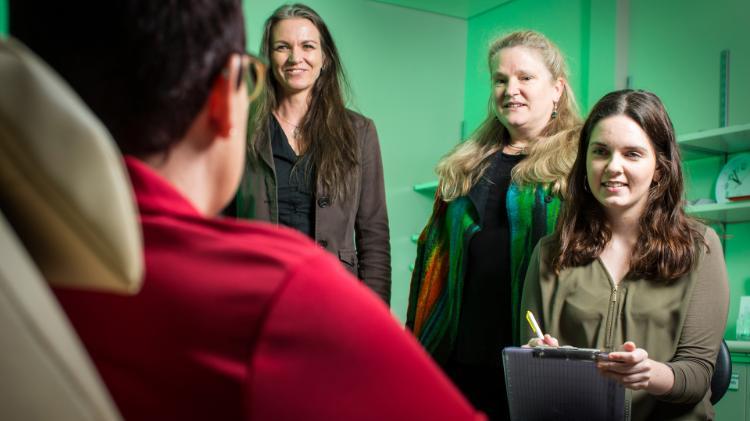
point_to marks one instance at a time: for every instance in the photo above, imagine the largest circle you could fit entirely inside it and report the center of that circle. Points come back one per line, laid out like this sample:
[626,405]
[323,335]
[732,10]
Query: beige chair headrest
[63,185]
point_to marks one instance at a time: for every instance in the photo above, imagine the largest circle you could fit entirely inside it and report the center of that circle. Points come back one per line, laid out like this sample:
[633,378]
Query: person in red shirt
[235,320]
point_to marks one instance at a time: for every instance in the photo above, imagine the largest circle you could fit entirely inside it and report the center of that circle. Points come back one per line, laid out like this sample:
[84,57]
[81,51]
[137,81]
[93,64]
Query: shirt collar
[153,193]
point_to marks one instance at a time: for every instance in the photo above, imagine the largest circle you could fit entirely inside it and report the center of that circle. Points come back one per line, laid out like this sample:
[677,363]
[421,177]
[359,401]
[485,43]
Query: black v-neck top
[485,321]
[295,182]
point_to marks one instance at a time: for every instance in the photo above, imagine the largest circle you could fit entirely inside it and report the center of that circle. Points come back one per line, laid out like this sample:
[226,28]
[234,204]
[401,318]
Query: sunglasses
[254,71]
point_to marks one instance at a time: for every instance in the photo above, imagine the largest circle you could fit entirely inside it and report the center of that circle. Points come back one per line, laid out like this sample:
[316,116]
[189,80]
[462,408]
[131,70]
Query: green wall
[406,69]
[3,17]
[674,52]
[675,49]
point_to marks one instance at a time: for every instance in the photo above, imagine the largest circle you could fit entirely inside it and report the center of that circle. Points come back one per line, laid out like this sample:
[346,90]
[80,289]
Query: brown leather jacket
[355,229]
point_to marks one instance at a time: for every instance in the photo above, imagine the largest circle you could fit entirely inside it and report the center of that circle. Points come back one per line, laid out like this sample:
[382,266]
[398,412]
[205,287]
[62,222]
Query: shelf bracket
[724,115]
[724,89]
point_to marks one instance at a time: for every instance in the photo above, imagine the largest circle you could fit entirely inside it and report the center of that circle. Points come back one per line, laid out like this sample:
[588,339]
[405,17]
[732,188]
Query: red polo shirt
[241,320]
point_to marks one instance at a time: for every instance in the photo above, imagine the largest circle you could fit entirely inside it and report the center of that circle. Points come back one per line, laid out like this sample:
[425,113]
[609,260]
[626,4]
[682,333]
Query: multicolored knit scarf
[532,214]
[437,281]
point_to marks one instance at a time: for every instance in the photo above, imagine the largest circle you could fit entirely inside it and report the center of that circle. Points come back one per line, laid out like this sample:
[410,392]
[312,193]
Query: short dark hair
[144,67]
[667,248]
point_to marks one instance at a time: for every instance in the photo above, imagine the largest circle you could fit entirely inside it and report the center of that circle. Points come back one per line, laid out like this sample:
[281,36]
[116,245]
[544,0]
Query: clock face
[734,180]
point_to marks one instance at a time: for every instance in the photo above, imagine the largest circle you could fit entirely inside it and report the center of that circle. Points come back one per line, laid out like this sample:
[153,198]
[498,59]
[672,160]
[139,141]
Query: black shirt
[485,321]
[295,180]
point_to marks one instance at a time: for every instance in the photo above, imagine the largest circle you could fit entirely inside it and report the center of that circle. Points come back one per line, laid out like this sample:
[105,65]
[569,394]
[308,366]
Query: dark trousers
[483,386]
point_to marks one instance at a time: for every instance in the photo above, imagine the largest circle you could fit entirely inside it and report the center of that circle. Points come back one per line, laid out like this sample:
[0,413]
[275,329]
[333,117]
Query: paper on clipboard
[560,384]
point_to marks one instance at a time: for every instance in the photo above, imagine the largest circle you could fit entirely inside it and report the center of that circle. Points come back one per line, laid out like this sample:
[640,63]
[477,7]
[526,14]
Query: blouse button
[547,199]
[323,243]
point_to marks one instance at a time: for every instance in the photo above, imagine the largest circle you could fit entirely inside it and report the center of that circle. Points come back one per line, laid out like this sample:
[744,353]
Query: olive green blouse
[680,323]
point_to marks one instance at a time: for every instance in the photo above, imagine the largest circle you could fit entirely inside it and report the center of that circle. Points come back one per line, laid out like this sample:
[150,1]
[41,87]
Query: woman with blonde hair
[499,192]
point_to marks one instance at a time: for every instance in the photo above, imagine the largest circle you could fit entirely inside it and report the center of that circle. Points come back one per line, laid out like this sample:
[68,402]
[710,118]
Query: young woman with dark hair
[627,271]
[314,165]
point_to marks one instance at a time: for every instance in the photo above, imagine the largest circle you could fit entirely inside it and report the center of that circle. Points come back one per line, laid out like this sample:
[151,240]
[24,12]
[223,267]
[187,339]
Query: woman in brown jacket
[626,271]
[314,165]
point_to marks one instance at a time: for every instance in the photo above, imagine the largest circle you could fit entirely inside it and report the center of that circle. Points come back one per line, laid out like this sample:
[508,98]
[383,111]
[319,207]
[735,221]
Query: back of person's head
[666,235]
[144,67]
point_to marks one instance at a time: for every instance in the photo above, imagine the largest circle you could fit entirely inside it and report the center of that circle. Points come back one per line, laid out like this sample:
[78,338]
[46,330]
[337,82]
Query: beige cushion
[46,374]
[63,186]
[65,197]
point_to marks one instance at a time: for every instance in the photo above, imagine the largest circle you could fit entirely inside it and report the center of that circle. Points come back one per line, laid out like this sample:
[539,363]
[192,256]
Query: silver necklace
[296,131]
[519,150]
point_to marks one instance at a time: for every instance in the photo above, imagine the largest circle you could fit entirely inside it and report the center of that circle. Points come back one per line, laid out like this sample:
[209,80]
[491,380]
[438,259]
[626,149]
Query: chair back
[722,373]
[67,218]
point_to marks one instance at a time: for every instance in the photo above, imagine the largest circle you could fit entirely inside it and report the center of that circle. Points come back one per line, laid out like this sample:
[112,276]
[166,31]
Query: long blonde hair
[551,156]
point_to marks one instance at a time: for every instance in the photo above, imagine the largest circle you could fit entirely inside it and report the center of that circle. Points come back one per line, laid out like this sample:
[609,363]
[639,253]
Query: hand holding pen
[540,339]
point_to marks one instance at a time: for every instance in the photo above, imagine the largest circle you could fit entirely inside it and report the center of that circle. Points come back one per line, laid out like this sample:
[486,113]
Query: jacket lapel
[264,147]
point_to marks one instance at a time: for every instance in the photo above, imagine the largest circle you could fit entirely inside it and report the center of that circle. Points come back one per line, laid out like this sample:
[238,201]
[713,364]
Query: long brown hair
[327,131]
[668,240]
[550,157]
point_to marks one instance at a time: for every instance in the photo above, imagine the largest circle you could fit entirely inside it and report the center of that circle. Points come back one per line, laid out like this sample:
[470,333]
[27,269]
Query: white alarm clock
[733,183]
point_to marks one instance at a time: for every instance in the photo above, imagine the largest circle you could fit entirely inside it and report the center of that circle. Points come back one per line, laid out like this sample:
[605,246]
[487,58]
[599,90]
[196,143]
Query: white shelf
[722,212]
[739,346]
[428,188]
[724,140]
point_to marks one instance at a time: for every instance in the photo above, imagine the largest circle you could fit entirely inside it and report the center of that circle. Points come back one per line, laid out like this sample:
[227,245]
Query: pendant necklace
[519,150]
[296,131]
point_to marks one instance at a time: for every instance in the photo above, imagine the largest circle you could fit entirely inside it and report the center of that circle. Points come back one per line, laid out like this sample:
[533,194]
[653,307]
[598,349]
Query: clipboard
[560,384]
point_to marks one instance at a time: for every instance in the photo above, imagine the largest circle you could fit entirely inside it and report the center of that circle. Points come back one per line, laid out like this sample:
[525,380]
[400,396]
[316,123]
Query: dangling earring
[554,110]
[586,183]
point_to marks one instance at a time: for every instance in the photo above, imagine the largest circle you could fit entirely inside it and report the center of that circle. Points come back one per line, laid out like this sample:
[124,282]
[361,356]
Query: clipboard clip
[569,353]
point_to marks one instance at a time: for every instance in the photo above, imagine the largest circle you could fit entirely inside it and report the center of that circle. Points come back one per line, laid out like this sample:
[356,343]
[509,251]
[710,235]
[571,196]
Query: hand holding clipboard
[630,367]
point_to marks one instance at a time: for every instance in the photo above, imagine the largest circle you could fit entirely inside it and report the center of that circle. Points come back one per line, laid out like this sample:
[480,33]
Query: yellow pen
[534,325]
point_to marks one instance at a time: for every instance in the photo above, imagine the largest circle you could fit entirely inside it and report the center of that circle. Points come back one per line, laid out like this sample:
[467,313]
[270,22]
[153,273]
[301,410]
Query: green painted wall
[3,17]
[674,51]
[406,69]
